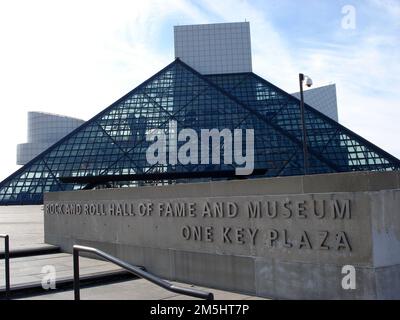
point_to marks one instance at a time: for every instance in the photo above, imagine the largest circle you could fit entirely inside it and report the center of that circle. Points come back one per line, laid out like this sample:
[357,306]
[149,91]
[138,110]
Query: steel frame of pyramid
[113,142]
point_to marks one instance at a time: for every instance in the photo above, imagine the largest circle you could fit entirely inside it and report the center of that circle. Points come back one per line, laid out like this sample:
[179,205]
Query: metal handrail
[136,271]
[7,262]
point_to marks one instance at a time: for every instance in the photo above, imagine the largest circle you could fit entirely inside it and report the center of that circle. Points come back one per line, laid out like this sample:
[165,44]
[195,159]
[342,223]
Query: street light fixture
[309,83]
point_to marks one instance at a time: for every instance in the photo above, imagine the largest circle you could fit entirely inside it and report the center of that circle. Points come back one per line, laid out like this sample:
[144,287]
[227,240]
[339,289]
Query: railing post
[75,253]
[7,264]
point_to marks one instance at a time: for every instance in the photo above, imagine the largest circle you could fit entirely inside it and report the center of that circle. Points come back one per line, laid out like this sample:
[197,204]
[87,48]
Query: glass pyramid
[114,141]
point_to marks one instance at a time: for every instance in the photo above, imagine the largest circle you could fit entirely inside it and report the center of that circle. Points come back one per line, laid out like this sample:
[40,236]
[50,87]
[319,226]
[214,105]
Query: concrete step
[27,273]
[138,289]
[25,290]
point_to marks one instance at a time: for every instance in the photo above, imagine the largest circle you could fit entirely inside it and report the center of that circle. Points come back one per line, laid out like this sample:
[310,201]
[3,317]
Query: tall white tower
[214,48]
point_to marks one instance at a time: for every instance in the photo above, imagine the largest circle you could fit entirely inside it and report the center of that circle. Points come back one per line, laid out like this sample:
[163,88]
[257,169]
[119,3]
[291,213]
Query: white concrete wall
[323,99]
[44,129]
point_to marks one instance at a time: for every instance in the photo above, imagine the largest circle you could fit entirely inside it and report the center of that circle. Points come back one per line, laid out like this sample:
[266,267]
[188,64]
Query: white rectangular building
[323,99]
[214,48]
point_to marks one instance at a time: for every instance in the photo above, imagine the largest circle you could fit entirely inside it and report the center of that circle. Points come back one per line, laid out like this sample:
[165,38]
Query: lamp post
[309,83]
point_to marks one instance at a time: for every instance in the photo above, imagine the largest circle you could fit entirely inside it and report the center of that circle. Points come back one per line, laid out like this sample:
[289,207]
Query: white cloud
[367,74]
[392,7]
[76,57]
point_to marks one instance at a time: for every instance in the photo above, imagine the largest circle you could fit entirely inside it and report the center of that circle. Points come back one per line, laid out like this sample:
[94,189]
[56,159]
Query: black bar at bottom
[160,176]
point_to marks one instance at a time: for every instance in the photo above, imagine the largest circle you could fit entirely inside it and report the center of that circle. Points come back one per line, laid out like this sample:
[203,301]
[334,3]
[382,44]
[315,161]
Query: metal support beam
[303,125]
[92,181]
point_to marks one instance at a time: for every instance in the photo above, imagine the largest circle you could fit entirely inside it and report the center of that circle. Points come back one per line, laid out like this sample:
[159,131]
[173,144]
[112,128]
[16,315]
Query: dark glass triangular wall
[338,147]
[113,142]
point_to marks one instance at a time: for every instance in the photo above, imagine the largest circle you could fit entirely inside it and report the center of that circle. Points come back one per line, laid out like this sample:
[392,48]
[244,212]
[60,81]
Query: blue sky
[77,57]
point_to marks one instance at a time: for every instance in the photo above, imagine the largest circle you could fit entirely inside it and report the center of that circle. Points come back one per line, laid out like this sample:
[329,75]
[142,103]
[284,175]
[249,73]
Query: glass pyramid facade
[114,141]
